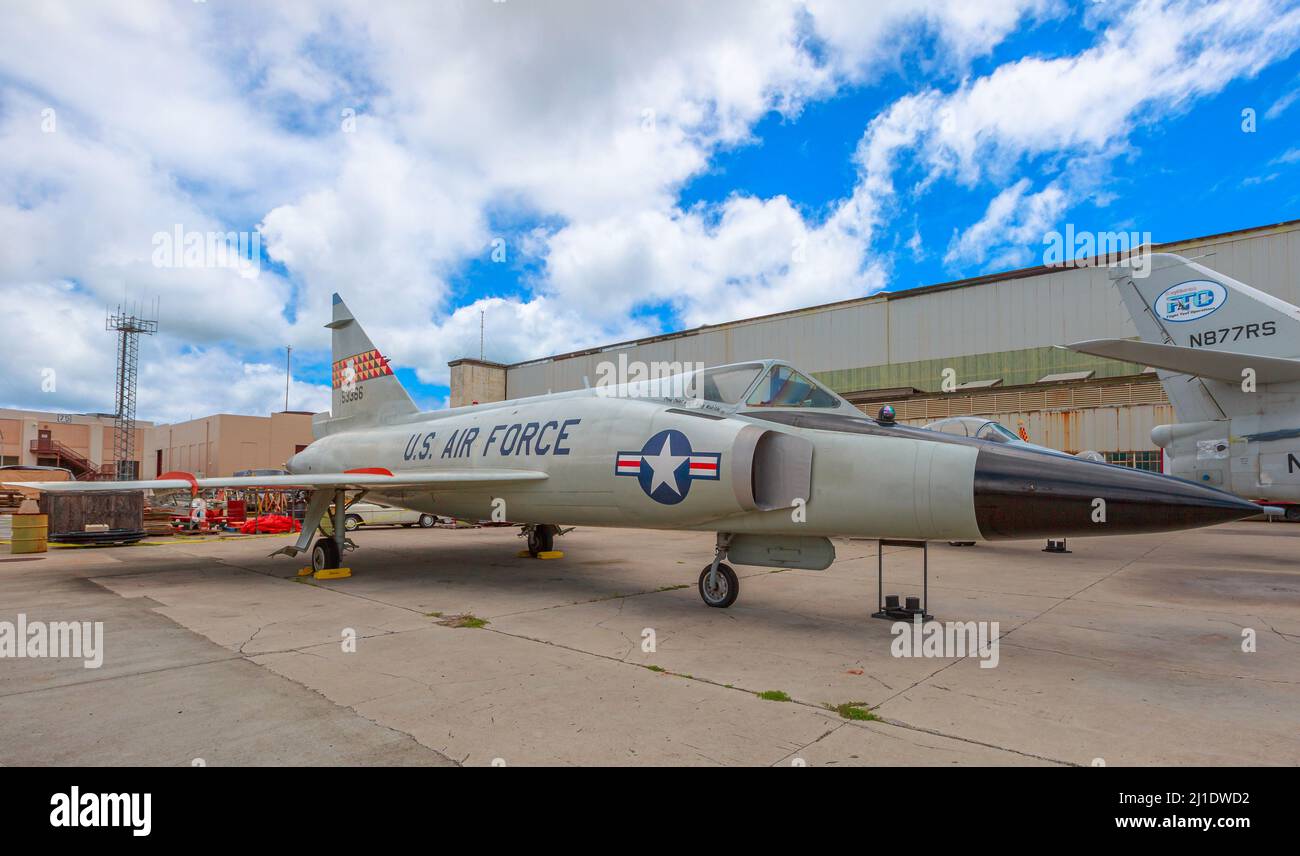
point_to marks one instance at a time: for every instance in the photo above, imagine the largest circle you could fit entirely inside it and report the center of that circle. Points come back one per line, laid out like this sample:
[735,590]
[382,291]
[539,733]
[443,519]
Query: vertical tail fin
[364,389]
[1189,306]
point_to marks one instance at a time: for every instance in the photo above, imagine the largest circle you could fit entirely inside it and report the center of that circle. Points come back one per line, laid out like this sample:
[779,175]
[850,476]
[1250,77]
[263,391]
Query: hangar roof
[982,279]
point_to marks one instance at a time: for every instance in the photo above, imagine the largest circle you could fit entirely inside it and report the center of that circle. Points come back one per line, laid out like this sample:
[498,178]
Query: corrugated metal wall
[1010,315]
[1002,328]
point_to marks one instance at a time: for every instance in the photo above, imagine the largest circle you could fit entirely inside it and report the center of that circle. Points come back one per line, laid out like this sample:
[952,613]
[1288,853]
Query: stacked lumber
[158,520]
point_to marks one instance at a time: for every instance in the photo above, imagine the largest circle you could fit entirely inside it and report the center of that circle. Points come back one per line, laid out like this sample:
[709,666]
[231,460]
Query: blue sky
[582,173]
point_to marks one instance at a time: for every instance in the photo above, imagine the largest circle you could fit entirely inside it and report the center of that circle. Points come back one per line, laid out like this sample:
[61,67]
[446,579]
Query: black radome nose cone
[1022,493]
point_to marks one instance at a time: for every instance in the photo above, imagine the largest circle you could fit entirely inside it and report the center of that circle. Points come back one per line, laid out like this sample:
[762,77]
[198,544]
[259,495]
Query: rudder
[364,389]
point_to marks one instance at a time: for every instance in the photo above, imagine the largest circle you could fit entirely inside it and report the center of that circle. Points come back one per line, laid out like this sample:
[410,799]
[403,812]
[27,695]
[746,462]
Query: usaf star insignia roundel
[666,466]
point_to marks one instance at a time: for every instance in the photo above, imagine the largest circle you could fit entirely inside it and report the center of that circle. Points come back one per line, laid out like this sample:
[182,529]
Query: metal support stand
[1056,545]
[888,607]
[340,533]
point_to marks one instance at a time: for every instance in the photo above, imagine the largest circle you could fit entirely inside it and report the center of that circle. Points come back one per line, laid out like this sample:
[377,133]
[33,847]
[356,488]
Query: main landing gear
[327,552]
[541,537]
[719,585]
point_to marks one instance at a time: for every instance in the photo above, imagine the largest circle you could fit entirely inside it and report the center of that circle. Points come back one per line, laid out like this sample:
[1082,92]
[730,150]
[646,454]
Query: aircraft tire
[728,588]
[324,554]
[541,539]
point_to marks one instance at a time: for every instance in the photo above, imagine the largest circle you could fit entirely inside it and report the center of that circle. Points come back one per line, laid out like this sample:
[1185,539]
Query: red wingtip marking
[369,471]
[181,474]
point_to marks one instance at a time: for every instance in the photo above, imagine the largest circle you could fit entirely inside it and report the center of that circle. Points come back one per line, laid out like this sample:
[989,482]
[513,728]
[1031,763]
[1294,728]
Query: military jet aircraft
[757,452]
[1228,356]
[983,428]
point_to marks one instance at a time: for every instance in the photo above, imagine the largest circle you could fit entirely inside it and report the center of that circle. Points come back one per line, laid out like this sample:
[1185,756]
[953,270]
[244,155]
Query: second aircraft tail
[1198,325]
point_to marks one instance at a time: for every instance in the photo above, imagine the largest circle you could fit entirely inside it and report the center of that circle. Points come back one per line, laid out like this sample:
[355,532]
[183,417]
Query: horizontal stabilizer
[1217,365]
[350,481]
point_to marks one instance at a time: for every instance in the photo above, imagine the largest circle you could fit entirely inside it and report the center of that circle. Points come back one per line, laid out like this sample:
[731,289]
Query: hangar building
[996,333]
[218,445]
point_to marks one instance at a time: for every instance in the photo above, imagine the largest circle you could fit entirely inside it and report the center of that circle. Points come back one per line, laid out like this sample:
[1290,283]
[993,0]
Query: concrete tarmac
[1128,650]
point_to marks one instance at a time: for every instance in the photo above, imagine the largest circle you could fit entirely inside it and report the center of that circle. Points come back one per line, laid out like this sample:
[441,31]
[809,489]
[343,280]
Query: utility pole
[288,351]
[480,334]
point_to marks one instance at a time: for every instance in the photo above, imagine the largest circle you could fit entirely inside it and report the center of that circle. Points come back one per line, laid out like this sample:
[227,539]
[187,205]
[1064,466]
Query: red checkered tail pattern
[365,390]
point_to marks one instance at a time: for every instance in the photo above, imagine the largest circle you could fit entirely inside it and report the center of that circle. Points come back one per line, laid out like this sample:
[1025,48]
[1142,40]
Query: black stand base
[888,606]
[902,615]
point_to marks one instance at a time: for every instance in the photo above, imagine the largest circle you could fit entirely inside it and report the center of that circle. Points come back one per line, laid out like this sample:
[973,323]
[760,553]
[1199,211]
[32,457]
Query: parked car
[374,514]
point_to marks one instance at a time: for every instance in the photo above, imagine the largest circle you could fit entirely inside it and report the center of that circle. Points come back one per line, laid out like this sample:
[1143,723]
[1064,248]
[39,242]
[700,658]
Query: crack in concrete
[896,723]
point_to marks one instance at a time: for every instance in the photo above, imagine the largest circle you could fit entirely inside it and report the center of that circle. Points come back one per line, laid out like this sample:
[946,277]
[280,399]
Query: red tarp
[271,524]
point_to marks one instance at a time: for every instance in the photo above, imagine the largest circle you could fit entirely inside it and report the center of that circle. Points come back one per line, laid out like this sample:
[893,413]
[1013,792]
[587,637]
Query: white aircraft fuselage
[891,485]
[1228,357]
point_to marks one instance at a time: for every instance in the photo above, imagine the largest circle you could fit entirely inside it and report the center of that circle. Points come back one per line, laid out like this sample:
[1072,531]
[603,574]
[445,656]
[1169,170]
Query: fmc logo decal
[1188,301]
[666,466]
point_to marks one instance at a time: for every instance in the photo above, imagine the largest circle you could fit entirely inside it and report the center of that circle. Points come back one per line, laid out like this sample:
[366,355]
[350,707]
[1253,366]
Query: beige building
[217,445]
[81,442]
[476,382]
[224,444]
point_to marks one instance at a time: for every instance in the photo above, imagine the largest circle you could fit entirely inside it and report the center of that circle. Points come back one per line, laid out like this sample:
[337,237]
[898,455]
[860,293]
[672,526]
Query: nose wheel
[719,587]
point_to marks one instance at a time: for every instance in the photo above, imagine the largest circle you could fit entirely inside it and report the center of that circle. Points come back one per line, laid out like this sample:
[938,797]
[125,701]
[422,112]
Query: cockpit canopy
[765,383]
[975,426]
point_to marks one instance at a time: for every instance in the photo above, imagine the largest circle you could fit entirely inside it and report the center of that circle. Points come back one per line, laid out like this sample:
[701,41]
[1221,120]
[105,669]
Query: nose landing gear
[719,585]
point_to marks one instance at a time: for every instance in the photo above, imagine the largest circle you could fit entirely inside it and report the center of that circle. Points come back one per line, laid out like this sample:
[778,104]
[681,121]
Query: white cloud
[226,383]
[1281,105]
[587,119]
[1012,220]
[750,257]
[1153,58]
[861,42]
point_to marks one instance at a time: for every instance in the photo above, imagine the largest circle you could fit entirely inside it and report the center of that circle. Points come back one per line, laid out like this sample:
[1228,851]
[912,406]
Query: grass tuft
[852,710]
[774,695]
[466,620]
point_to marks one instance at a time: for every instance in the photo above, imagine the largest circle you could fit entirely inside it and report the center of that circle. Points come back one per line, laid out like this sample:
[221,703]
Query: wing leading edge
[348,480]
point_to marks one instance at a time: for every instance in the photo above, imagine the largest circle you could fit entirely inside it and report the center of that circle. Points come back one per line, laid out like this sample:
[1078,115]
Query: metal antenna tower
[129,324]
